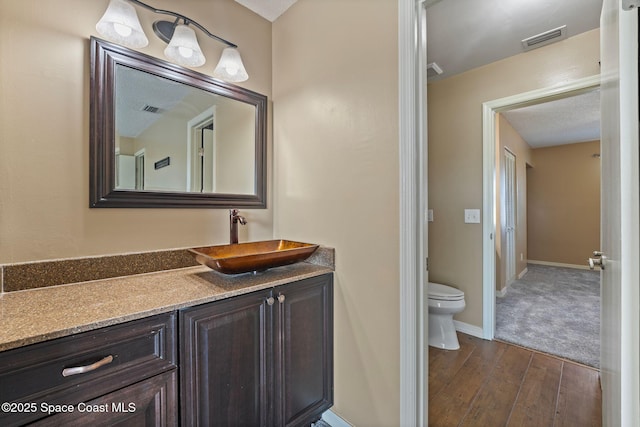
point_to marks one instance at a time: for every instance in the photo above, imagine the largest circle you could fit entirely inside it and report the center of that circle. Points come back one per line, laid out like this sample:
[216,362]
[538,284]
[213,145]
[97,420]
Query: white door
[509,216]
[208,160]
[125,172]
[620,336]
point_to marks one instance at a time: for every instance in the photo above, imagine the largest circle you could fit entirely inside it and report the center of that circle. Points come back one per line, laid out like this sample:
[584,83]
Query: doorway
[490,111]
[201,152]
[548,216]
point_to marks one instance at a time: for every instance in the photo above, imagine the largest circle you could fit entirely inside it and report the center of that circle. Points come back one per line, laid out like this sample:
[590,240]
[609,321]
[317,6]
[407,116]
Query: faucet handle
[234,215]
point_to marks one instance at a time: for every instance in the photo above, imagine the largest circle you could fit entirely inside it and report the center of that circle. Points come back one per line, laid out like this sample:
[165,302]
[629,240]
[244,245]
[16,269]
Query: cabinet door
[225,362]
[304,360]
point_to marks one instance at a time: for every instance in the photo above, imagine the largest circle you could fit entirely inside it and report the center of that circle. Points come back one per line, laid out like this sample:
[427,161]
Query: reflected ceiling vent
[433,70]
[150,109]
[545,38]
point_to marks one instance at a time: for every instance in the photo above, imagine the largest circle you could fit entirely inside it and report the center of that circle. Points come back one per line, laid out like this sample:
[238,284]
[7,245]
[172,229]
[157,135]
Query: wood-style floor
[490,384]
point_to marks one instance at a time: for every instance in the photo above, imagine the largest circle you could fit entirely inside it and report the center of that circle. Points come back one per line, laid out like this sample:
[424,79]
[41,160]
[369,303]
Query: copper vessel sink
[253,256]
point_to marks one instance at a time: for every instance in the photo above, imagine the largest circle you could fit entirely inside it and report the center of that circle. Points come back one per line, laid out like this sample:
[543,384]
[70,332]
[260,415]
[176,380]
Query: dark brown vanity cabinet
[260,359]
[118,375]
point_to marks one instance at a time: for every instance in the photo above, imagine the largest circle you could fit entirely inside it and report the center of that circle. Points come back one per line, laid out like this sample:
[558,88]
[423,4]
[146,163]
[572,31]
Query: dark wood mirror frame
[102,180]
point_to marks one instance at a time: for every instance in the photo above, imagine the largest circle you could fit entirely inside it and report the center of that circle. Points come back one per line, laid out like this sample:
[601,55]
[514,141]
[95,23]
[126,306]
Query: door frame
[412,104]
[140,163]
[489,180]
[194,127]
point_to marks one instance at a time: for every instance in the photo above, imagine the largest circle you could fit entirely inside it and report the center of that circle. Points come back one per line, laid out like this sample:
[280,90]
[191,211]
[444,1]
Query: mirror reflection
[165,136]
[172,137]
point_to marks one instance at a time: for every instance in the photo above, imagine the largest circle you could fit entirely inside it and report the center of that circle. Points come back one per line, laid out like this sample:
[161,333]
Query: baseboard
[335,420]
[559,264]
[500,293]
[522,273]
[468,329]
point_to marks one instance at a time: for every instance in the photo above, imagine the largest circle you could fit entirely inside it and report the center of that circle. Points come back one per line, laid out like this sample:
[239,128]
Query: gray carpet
[554,310]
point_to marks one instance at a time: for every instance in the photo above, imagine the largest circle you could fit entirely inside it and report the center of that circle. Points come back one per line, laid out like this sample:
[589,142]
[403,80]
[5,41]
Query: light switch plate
[472,216]
[430,215]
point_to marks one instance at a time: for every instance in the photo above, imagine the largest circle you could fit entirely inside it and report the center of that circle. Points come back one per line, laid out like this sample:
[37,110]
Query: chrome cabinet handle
[281,298]
[88,368]
[270,301]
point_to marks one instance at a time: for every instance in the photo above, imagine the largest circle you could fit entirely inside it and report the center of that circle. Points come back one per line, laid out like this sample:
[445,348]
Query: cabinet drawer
[113,357]
[152,402]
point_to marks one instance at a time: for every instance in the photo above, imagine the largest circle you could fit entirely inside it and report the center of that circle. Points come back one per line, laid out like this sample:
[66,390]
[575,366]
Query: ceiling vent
[150,109]
[545,38]
[433,70]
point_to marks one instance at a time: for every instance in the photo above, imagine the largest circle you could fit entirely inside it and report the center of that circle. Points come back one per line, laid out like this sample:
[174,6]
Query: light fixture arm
[187,21]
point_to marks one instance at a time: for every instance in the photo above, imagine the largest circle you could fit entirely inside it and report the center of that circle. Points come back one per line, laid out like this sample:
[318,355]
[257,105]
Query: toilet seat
[444,293]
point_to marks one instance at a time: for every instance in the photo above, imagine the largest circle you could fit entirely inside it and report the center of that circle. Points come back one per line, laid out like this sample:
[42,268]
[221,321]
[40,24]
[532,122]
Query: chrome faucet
[234,219]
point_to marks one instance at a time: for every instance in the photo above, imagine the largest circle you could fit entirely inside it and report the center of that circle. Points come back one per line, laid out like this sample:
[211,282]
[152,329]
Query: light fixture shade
[120,24]
[230,68]
[184,49]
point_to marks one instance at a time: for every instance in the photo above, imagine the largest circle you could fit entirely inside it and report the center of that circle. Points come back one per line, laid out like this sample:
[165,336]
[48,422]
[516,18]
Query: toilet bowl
[444,302]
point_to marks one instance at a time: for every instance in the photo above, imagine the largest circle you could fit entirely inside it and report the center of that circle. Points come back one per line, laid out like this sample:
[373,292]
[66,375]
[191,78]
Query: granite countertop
[41,314]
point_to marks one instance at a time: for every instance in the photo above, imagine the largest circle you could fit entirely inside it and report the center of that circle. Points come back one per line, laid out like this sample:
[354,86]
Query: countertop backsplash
[40,274]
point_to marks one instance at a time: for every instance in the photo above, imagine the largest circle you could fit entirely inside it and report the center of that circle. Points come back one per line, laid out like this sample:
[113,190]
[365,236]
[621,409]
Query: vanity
[156,339]
[188,346]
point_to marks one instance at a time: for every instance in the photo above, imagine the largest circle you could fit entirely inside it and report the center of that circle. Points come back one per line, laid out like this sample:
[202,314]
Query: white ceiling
[268,9]
[466,34]
[137,89]
[564,121]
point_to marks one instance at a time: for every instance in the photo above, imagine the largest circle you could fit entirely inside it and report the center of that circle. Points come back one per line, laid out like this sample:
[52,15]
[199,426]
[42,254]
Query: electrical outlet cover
[472,216]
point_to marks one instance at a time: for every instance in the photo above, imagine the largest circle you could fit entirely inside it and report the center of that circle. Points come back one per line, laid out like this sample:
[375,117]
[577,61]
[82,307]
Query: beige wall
[564,203]
[455,151]
[44,132]
[164,138]
[508,138]
[336,162]
[235,148]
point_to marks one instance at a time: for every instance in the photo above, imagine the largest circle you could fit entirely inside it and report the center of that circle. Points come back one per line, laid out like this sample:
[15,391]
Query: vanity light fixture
[120,24]
[183,47]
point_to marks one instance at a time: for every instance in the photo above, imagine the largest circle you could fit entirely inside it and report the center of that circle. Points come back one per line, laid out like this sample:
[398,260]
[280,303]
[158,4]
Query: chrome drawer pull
[88,368]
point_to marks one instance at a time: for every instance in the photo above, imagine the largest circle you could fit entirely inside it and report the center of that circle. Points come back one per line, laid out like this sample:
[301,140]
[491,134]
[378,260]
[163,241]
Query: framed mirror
[165,136]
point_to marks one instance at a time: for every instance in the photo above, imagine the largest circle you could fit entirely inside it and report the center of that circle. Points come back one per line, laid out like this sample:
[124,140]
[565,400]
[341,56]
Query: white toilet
[444,302]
